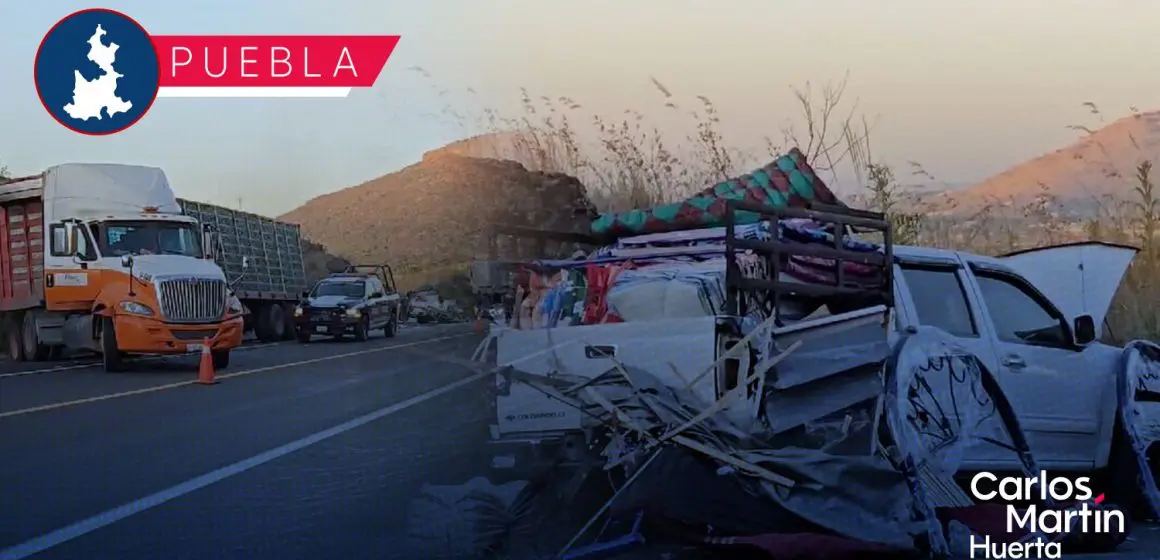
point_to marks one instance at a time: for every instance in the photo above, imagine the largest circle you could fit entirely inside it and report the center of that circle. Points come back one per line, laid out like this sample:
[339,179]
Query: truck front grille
[192,300]
[325,314]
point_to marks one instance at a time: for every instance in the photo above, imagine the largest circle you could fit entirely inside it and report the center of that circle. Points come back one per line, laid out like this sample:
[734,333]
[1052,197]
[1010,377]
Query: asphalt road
[301,451]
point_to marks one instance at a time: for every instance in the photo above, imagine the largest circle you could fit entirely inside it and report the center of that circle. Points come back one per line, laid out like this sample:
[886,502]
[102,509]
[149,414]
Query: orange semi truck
[102,257]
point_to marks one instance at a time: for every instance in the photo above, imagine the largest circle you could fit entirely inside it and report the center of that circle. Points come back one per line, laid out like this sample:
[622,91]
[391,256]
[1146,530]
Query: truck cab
[1034,318]
[123,271]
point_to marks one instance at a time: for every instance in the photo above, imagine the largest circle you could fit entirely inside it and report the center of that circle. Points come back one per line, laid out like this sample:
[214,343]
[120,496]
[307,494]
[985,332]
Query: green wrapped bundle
[788,180]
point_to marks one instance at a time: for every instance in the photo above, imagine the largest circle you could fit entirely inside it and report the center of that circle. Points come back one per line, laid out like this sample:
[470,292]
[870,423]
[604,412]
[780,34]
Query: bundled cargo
[787,181]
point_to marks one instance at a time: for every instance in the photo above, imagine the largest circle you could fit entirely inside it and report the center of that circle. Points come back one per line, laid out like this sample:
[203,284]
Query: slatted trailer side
[273,277]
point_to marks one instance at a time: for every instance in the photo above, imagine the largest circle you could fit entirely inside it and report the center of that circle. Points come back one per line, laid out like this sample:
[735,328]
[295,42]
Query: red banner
[291,61]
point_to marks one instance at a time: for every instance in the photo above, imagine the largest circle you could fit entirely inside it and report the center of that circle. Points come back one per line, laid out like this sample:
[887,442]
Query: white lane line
[167,386]
[65,534]
[142,358]
[139,359]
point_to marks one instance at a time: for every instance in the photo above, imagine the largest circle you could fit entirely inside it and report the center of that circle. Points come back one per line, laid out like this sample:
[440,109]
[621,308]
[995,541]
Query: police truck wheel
[111,357]
[362,330]
[391,327]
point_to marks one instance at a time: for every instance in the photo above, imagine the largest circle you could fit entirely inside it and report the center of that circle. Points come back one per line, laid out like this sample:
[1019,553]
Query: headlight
[298,311]
[136,308]
[353,312]
[234,305]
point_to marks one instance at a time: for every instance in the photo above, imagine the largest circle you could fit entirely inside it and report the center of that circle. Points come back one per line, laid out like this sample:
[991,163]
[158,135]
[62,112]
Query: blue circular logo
[97,72]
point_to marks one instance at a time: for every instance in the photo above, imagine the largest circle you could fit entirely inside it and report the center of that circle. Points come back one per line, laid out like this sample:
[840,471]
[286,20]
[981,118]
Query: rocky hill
[318,263]
[429,220]
[1101,163]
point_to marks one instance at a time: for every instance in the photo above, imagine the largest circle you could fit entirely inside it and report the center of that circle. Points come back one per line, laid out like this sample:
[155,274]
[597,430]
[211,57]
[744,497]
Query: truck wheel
[259,322]
[111,357]
[221,359]
[262,324]
[362,330]
[276,322]
[290,329]
[34,351]
[13,340]
[392,326]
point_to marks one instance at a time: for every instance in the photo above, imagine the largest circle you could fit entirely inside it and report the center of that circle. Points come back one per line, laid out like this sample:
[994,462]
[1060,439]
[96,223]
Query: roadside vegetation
[626,162]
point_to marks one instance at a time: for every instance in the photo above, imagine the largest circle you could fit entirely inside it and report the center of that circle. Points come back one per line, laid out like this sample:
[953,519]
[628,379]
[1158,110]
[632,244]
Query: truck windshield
[346,289]
[150,238]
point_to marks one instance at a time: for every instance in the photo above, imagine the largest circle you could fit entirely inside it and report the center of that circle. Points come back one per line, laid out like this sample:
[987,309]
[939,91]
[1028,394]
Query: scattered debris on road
[428,307]
[740,369]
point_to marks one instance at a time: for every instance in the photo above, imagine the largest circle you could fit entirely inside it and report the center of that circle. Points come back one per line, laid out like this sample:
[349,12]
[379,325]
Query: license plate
[194,347]
[322,329]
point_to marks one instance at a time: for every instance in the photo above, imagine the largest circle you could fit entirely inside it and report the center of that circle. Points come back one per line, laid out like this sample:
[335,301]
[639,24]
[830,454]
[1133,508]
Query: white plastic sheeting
[939,400]
[936,403]
[458,521]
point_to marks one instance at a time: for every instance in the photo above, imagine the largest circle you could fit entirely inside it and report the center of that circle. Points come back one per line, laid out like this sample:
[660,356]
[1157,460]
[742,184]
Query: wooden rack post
[777,249]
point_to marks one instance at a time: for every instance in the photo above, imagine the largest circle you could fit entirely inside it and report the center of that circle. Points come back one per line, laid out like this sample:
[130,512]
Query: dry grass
[628,163]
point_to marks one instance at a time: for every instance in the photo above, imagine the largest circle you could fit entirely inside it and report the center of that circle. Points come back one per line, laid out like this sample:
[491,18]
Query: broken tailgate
[680,349]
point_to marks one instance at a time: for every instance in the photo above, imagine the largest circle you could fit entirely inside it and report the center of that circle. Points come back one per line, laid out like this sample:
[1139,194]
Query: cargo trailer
[262,259]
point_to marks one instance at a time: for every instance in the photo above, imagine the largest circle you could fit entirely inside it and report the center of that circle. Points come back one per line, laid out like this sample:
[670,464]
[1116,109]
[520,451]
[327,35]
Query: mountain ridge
[1099,165]
[429,219]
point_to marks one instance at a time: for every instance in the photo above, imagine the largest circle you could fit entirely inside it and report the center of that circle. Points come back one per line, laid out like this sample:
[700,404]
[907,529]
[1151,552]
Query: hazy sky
[965,88]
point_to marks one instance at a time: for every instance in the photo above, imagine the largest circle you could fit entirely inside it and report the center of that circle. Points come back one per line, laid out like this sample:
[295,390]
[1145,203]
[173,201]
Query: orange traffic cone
[205,375]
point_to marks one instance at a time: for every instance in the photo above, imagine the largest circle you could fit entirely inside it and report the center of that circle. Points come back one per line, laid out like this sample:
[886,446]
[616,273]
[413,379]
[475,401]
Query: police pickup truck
[355,302]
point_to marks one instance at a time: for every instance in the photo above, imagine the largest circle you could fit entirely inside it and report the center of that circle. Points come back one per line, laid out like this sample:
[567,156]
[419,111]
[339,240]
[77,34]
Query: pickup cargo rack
[769,292]
[382,271]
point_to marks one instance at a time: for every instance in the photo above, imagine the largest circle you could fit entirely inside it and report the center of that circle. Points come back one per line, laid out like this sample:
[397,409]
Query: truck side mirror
[209,244]
[305,296]
[71,238]
[126,261]
[1084,330]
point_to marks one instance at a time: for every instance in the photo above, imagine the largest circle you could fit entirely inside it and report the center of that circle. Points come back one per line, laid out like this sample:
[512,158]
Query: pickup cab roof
[1079,278]
[336,278]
